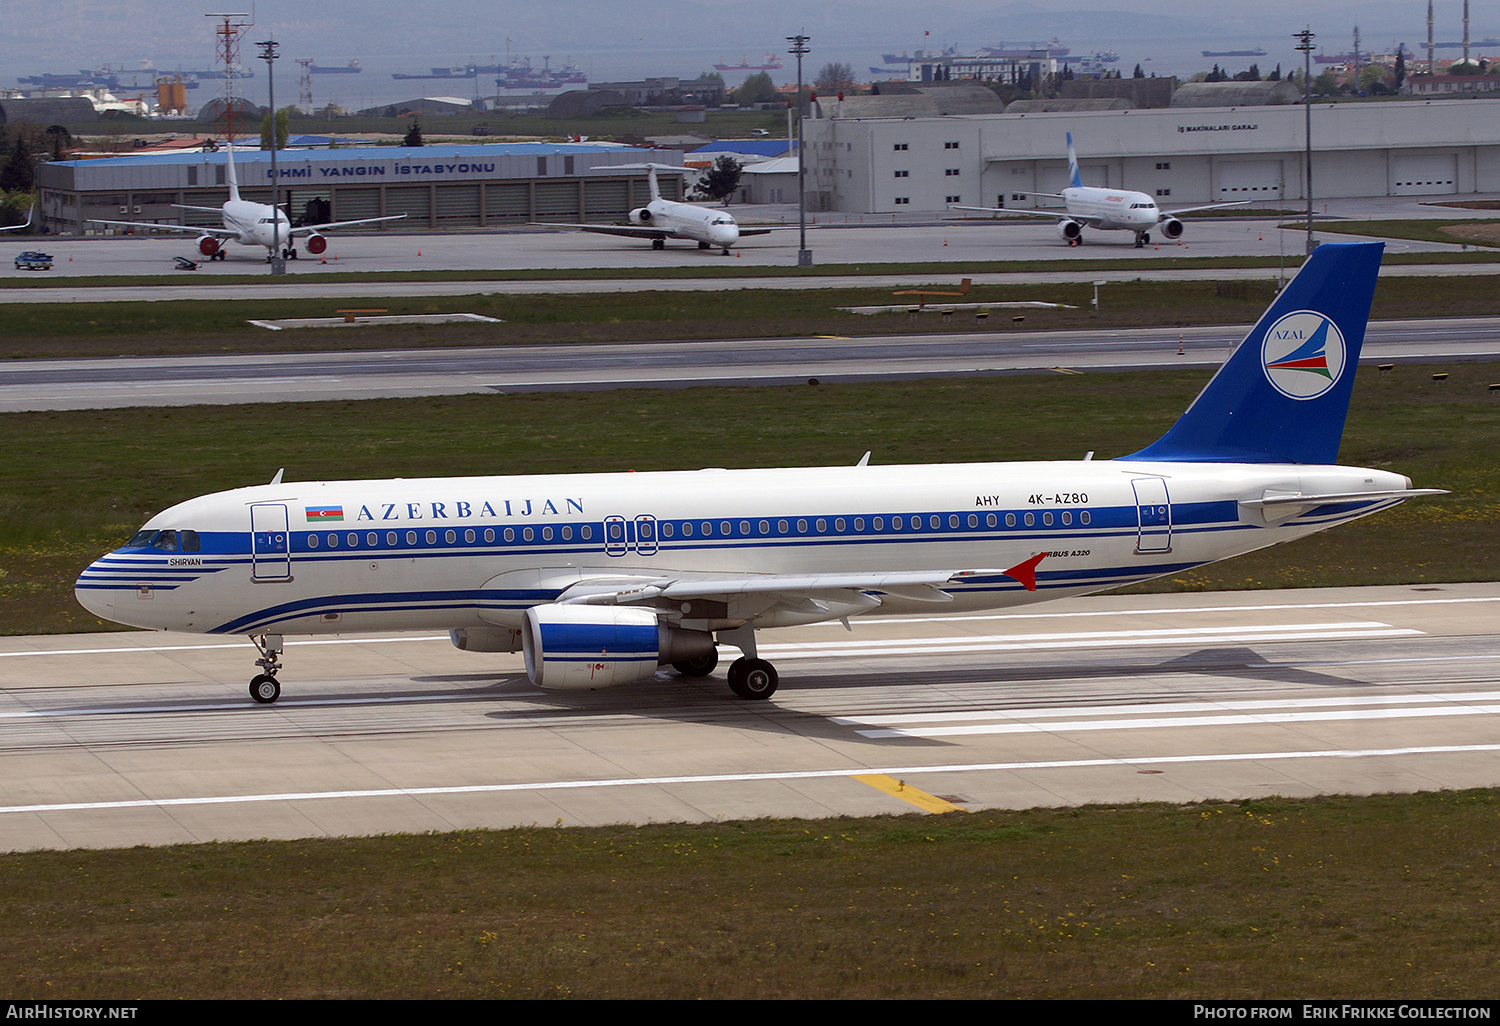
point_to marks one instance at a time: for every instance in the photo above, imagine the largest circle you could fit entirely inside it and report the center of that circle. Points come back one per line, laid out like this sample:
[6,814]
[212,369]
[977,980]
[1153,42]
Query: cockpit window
[189,541]
[165,541]
[140,539]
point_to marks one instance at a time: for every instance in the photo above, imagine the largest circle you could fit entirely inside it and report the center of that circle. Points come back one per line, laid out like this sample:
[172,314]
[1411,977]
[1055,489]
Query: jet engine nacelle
[208,245]
[1171,228]
[316,244]
[583,646]
[1069,230]
[640,215]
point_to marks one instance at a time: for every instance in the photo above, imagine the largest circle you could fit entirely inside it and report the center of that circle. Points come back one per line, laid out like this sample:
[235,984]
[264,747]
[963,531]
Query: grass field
[43,330]
[1336,898]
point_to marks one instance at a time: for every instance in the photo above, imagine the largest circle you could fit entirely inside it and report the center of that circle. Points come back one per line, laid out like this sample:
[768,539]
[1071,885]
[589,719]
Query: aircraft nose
[724,234]
[92,592]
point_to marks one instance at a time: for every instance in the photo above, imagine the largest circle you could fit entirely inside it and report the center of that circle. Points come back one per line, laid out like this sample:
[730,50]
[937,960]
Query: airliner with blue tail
[1087,206]
[601,579]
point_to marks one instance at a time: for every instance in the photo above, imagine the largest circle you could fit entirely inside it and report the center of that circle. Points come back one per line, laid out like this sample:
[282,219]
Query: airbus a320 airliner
[1087,206]
[601,578]
[250,224]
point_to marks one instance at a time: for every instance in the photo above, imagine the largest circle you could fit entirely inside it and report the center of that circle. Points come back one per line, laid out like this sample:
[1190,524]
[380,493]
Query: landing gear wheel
[658,243]
[700,667]
[702,245]
[1145,238]
[752,678]
[265,689]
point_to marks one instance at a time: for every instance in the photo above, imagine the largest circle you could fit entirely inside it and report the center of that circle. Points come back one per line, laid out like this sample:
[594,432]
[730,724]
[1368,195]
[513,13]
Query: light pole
[278,259]
[804,255]
[1305,45]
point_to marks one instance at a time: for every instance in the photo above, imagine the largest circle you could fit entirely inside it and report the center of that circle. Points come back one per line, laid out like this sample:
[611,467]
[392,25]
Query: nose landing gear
[265,688]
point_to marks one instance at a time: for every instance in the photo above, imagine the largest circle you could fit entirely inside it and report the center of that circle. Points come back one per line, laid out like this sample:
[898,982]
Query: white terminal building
[1179,155]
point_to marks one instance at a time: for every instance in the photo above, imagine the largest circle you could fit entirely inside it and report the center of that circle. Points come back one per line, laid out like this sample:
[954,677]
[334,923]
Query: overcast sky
[630,38]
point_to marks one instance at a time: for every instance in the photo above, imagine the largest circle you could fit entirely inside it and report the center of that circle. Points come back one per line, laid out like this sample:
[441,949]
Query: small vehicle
[31,260]
[184,264]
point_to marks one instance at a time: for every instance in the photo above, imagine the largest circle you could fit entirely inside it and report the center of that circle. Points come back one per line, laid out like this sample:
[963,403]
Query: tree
[18,171]
[283,129]
[833,78]
[1138,72]
[757,88]
[1400,66]
[413,136]
[720,180]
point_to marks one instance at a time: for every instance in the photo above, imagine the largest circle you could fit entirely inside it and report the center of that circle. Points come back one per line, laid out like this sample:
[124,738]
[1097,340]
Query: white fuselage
[255,226]
[475,552]
[1112,209]
[702,224]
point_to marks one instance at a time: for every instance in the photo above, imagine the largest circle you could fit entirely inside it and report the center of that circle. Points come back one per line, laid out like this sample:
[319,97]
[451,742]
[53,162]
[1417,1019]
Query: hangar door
[1248,180]
[1424,174]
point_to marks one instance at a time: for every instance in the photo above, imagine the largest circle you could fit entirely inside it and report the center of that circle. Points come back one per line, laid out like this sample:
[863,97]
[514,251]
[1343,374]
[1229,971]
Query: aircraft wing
[308,229]
[218,233]
[810,596]
[774,228]
[627,231]
[1212,206]
[16,227]
[1056,215]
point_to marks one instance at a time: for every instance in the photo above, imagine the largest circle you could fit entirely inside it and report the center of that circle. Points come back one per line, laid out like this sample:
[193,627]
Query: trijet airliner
[1106,210]
[599,579]
[663,219]
[250,224]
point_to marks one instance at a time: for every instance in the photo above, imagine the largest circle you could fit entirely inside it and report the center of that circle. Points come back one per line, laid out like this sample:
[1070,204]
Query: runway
[136,738]
[303,377]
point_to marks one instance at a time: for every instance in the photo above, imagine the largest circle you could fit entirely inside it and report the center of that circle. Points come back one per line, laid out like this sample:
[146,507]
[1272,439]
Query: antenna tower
[304,84]
[227,49]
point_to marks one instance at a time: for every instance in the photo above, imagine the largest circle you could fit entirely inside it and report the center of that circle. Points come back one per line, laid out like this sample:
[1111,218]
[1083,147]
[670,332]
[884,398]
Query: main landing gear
[265,688]
[752,678]
[749,677]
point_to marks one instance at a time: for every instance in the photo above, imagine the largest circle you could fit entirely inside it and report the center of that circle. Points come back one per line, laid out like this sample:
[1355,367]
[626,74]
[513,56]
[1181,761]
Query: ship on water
[352,68]
[770,62]
[1258,52]
[521,75]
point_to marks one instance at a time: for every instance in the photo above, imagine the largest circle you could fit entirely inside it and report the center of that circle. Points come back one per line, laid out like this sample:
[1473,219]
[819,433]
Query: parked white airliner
[663,219]
[601,578]
[1106,210]
[250,224]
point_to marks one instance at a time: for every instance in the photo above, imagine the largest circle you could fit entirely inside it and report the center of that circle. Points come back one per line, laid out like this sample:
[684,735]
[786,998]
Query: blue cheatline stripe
[519,599]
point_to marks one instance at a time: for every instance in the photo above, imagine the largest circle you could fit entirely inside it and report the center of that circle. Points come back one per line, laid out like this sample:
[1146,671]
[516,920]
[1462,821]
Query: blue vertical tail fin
[1075,180]
[1283,394]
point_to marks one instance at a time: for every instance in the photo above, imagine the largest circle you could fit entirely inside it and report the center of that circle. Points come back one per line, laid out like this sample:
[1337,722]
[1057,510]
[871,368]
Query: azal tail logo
[1303,354]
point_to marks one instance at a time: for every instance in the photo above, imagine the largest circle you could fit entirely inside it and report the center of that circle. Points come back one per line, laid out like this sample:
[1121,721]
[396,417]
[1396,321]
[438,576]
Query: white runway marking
[1091,639]
[1219,714]
[898,771]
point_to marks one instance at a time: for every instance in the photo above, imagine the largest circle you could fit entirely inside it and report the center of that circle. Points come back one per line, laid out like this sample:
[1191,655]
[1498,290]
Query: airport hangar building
[438,186]
[1180,155]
